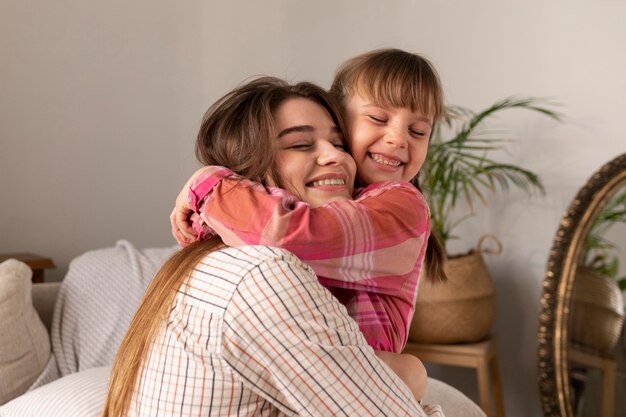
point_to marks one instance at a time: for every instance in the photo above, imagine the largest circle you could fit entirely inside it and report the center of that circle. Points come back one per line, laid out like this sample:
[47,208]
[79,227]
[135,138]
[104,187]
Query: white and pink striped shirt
[252,332]
[368,252]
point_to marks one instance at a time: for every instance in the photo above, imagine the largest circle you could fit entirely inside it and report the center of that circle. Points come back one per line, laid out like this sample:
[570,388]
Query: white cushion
[96,302]
[453,402]
[81,394]
[24,340]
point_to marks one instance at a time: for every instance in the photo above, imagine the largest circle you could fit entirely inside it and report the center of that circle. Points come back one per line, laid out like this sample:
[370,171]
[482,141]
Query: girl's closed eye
[417,133]
[377,118]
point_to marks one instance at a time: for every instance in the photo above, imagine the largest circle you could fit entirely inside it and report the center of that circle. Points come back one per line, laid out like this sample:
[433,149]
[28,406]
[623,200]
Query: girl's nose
[397,137]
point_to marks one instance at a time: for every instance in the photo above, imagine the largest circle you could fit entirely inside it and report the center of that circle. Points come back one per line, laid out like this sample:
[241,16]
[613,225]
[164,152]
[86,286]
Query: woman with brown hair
[250,330]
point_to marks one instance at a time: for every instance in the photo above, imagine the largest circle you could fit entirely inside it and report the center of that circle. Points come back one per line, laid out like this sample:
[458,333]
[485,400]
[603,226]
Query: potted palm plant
[598,313]
[460,168]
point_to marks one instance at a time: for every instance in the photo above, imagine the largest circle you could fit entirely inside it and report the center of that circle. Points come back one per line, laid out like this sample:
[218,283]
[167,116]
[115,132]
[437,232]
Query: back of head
[391,78]
[238,130]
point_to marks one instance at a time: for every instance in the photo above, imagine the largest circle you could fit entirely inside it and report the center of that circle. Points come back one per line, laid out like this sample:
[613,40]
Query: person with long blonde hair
[250,330]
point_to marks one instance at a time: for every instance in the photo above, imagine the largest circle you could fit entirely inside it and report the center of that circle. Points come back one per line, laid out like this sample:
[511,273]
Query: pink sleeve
[378,234]
[367,252]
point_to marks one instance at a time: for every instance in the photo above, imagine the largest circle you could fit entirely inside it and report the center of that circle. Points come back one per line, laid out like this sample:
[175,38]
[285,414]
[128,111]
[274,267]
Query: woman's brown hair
[237,132]
[396,78]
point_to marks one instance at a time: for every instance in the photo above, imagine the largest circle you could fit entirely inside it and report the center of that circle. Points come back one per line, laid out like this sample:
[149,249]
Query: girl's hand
[180,219]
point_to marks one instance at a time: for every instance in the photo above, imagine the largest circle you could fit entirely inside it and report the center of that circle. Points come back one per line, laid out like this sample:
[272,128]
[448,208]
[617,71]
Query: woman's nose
[331,155]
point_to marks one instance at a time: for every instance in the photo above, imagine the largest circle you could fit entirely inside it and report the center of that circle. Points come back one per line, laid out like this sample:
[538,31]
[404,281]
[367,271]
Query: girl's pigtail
[435,256]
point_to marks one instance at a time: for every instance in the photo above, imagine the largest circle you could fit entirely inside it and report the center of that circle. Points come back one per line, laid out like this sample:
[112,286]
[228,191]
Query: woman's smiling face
[312,159]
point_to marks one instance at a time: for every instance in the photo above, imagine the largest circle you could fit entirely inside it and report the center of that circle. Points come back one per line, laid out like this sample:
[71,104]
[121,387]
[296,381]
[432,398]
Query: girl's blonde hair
[237,132]
[396,78]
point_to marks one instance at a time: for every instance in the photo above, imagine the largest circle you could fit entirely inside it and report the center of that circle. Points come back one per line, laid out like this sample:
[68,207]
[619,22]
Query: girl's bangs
[395,87]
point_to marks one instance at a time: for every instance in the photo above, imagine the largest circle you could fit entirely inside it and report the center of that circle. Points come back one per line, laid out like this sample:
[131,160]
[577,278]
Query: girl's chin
[377,172]
[372,178]
[320,200]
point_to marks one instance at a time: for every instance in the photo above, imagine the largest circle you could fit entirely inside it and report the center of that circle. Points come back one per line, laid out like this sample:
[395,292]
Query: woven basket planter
[461,310]
[598,311]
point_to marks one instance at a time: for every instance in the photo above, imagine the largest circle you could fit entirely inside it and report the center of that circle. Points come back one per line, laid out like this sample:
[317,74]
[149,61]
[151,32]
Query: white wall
[100,103]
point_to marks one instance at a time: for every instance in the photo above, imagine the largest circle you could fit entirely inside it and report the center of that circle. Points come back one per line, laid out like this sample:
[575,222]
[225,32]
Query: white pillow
[453,402]
[97,302]
[24,340]
[80,394]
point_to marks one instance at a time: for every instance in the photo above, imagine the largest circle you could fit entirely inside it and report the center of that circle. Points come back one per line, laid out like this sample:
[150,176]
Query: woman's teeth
[334,181]
[381,159]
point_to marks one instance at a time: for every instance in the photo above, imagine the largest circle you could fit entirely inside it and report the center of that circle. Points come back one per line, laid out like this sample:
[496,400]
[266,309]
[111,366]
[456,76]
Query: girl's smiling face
[387,143]
[312,160]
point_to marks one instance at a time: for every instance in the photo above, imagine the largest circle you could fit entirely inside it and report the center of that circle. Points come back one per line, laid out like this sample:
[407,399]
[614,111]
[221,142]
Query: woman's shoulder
[218,275]
[235,262]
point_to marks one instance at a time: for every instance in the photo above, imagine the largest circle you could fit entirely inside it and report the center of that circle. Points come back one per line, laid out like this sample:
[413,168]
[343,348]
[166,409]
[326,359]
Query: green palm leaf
[459,168]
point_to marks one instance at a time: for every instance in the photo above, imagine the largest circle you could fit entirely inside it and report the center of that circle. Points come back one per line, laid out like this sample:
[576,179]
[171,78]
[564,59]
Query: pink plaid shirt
[368,252]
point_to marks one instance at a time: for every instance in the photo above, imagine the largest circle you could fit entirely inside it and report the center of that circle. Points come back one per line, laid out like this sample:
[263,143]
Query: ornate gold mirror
[582,346]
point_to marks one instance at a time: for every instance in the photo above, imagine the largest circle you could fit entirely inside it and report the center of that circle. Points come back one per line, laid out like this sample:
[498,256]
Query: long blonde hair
[146,323]
[237,132]
[397,78]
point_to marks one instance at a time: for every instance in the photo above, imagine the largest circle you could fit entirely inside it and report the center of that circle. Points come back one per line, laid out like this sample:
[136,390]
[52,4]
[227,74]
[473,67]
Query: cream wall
[100,103]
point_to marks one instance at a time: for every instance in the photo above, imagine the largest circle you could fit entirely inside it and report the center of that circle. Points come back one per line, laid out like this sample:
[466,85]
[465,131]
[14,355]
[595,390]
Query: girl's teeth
[381,159]
[333,181]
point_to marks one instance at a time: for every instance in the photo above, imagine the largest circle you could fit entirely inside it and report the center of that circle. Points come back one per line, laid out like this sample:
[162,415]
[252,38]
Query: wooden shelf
[37,263]
[480,356]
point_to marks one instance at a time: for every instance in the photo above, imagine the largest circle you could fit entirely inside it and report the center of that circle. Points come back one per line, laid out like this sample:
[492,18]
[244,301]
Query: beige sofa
[86,316]
[44,296]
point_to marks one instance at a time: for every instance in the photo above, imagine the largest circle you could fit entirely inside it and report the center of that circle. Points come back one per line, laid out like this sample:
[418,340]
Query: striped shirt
[368,252]
[252,332]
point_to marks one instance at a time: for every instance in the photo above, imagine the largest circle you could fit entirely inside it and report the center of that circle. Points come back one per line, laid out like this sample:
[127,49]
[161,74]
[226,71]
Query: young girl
[367,252]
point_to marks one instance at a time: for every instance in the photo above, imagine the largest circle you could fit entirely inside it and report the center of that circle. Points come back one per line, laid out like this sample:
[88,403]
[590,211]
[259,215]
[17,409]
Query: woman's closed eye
[300,146]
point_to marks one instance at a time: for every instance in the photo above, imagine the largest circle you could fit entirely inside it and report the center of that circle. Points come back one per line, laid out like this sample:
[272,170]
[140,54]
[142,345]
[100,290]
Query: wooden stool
[481,356]
[607,365]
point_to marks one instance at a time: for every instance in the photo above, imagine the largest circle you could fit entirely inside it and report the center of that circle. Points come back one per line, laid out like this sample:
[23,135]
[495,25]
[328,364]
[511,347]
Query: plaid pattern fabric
[368,252]
[252,332]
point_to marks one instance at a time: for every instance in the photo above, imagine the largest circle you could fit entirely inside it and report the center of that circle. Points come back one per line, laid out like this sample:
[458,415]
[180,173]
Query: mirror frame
[553,366]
